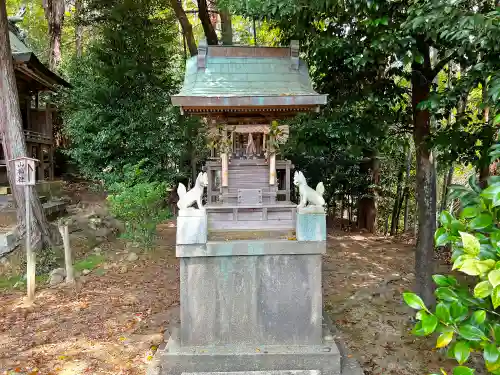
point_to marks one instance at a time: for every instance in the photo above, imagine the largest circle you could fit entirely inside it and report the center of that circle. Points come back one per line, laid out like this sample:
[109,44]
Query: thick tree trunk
[54,13]
[226,28]
[421,79]
[367,207]
[407,191]
[187,29]
[78,29]
[208,27]
[399,198]
[13,142]
[446,184]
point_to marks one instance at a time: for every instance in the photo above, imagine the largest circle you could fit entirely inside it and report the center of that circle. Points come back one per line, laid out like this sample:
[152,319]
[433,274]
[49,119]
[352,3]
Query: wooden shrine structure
[242,93]
[32,78]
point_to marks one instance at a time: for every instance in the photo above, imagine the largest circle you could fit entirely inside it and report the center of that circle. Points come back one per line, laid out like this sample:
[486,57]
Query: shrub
[466,316]
[141,208]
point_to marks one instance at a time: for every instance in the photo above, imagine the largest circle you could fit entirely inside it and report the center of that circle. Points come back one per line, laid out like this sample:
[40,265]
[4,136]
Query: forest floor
[112,320]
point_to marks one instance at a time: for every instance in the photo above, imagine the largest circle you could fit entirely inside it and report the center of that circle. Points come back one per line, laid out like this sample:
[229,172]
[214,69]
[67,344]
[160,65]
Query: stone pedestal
[311,224]
[192,226]
[251,307]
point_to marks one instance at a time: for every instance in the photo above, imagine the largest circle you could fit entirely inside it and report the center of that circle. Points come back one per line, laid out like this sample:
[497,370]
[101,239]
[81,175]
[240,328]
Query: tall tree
[13,142]
[187,28]
[206,22]
[78,28]
[54,13]
[226,25]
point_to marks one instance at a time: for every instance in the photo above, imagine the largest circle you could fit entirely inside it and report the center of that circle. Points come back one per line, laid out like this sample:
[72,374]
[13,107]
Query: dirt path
[111,321]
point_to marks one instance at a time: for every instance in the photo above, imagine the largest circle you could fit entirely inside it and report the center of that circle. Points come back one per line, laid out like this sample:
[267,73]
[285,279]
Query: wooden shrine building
[33,77]
[242,93]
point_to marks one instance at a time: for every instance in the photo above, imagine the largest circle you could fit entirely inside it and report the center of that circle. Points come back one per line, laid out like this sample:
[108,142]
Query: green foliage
[141,208]
[88,263]
[118,111]
[465,317]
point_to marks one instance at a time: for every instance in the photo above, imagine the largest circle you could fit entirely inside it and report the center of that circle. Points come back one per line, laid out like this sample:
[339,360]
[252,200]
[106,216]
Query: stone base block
[331,358]
[311,226]
[192,227]
[8,242]
[174,359]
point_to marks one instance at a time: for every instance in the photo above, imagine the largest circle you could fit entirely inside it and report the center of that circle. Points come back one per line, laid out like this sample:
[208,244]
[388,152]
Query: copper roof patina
[250,78]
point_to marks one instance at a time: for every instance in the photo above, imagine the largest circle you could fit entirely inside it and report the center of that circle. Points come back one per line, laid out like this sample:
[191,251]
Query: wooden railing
[36,137]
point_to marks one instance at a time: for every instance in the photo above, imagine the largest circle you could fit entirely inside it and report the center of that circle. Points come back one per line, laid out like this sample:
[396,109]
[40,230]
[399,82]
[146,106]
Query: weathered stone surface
[250,247]
[191,227]
[85,272]
[251,300]
[271,372]
[175,359]
[56,276]
[132,257]
[311,227]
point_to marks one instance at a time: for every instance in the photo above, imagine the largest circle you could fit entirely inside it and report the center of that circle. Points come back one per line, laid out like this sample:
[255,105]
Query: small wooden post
[24,169]
[64,230]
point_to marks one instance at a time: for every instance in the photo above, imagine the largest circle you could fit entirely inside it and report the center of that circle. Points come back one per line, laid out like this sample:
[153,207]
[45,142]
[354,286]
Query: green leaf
[471,244]
[443,312]
[445,218]
[485,265]
[490,353]
[445,294]
[483,289]
[444,339]
[482,221]
[414,301]
[469,212]
[429,324]
[458,311]
[463,370]
[479,317]
[469,332]
[469,267]
[462,351]
[497,119]
[494,277]
[495,296]
[441,280]
[491,191]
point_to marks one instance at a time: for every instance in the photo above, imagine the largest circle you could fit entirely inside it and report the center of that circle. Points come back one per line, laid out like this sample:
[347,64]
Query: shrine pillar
[224,161]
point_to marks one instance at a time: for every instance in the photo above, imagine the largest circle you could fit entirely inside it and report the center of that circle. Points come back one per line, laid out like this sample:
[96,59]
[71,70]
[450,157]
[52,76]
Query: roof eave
[30,59]
[248,101]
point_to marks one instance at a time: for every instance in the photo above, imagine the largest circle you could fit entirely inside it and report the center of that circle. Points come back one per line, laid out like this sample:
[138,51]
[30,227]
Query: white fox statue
[187,198]
[307,194]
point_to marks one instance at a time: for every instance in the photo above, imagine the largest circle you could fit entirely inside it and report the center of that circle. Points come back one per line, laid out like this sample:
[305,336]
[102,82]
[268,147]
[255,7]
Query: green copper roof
[245,76]
[235,76]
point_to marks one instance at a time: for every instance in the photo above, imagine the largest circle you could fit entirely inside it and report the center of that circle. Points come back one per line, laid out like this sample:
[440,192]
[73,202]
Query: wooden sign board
[25,171]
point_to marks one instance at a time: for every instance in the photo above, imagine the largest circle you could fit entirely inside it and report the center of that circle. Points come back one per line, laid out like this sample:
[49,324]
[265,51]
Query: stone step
[271,372]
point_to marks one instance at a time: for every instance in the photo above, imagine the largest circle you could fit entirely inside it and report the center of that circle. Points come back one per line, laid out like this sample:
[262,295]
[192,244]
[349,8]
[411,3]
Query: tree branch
[441,64]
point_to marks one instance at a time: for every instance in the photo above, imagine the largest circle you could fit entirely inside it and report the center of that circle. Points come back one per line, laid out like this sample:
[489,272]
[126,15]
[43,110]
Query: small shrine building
[242,93]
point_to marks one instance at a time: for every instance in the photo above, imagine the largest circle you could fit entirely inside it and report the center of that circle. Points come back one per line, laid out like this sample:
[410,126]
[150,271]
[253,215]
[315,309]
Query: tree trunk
[446,184]
[187,29]
[368,204]
[407,190]
[14,145]
[208,28]
[78,29]
[399,198]
[421,79]
[54,13]
[484,171]
[226,28]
